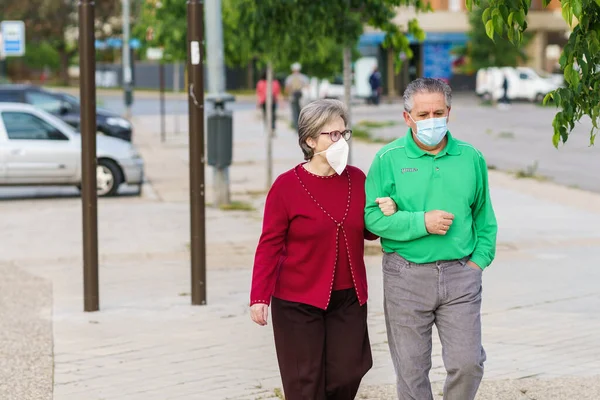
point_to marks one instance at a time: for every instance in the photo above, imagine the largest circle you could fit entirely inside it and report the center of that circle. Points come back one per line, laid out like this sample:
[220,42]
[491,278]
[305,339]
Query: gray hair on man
[426,85]
[313,117]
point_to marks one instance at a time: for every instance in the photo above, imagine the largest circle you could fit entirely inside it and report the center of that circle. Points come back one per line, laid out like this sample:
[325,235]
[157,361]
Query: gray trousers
[447,293]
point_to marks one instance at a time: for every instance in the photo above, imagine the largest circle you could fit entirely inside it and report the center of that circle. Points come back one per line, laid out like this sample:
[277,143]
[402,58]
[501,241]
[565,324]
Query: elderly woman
[309,263]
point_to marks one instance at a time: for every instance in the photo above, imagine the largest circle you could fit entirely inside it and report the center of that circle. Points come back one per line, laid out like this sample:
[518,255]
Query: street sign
[13,38]
[154,53]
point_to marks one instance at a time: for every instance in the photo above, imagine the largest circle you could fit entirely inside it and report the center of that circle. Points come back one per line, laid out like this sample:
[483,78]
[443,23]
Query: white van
[523,84]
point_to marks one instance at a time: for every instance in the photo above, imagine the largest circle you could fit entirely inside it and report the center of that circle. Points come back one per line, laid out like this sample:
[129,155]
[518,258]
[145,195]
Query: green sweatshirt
[455,181]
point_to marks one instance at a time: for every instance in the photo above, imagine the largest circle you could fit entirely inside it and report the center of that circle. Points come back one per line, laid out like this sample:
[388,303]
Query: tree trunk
[250,75]
[269,124]
[63,72]
[348,90]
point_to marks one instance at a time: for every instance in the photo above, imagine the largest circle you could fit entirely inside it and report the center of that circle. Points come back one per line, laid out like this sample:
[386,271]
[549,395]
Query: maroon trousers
[322,354]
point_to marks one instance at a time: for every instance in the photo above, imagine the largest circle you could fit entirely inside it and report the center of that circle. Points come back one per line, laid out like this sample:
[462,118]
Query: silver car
[37,148]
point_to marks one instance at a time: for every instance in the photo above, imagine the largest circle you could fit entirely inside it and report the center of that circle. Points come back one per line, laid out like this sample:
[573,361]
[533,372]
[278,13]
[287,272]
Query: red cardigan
[313,236]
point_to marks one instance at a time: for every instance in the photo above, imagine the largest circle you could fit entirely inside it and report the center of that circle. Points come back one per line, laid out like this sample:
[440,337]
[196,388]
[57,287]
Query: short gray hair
[426,85]
[313,117]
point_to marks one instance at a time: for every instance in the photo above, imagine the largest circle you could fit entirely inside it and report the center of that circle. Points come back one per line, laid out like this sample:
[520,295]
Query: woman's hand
[386,205]
[259,313]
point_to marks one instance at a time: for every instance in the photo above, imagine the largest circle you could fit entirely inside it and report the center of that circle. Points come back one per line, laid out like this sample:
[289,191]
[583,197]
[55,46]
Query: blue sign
[437,60]
[13,38]
[376,38]
[116,43]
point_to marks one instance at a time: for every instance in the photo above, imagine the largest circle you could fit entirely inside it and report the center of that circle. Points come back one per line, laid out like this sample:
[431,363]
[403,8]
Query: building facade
[447,27]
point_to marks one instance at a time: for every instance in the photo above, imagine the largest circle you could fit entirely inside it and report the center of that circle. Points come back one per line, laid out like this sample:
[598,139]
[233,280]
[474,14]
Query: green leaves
[580,61]
[577,7]
[485,17]
[567,12]
[493,19]
[311,30]
[497,22]
[489,29]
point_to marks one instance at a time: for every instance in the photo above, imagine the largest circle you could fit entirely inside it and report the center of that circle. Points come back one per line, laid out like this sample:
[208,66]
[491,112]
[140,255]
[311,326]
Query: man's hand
[259,313]
[471,264]
[386,205]
[438,222]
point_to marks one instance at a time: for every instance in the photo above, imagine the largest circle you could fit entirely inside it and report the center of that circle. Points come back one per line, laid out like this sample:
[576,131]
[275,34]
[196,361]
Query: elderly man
[435,246]
[294,84]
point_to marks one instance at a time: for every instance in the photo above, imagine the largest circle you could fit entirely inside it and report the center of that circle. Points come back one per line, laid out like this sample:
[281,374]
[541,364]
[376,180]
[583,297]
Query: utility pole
[177,94]
[348,91]
[217,94]
[161,84]
[195,39]
[269,122]
[127,70]
[3,73]
[87,87]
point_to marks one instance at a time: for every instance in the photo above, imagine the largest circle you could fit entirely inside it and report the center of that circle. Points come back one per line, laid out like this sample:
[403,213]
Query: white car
[523,83]
[37,148]
[335,89]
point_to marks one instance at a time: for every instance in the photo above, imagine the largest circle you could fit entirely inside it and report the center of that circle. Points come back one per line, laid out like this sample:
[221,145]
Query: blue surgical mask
[431,131]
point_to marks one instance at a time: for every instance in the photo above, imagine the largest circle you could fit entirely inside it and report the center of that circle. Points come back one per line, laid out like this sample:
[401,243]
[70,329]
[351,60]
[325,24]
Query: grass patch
[486,103]
[363,134]
[256,193]
[242,92]
[506,135]
[278,393]
[377,124]
[492,167]
[530,172]
[237,206]
[360,133]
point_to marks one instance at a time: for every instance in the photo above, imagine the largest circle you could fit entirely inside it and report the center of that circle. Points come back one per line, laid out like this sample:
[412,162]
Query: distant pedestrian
[376,85]
[294,84]
[505,85]
[309,263]
[261,97]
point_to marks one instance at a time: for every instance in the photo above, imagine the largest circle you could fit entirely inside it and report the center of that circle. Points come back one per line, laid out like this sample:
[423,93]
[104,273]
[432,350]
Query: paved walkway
[540,297]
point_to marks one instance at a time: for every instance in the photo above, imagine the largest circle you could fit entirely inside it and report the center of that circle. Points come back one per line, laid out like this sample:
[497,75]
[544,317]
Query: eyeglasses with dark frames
[336,135]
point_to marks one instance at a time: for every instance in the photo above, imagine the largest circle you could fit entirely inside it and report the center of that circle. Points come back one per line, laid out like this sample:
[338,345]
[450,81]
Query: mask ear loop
[333,144]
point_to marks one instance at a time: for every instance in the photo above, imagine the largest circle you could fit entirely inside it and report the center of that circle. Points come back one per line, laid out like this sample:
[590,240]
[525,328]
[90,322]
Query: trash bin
[220,138]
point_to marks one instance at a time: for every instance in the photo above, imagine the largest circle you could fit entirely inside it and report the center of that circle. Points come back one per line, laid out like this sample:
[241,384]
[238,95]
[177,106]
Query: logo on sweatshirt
[405,170]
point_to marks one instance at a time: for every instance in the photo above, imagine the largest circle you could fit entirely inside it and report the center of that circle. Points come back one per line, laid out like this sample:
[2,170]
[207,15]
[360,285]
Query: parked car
[523,84]
[335,89]
[37,148]
[67,108]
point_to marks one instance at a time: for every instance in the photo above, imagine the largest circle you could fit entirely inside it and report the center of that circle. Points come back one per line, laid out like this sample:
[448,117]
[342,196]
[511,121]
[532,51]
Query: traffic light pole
[195,48]
[127,64]
[87,62]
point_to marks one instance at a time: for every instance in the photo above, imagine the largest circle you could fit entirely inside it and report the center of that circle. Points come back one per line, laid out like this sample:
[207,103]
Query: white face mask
[337,155]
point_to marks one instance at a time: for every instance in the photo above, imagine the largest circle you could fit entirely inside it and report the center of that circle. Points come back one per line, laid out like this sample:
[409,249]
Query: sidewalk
[147,342]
